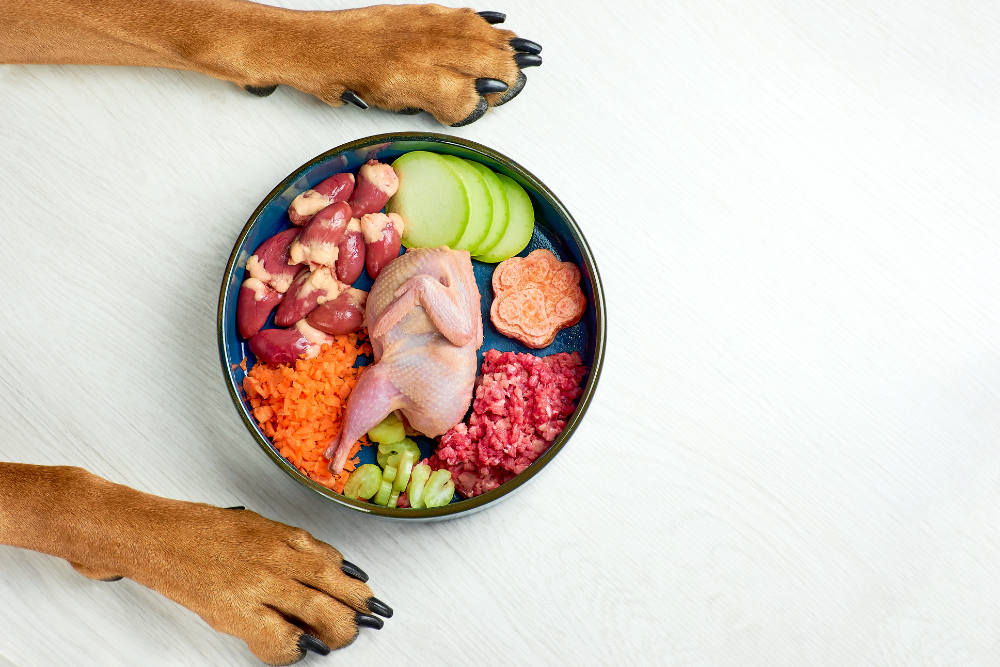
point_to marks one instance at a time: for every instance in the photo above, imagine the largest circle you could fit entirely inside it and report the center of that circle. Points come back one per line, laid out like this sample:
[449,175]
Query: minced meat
[521,404]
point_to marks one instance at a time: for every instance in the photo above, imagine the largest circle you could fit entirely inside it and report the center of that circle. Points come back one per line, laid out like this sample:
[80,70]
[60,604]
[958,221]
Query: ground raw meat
[521,404]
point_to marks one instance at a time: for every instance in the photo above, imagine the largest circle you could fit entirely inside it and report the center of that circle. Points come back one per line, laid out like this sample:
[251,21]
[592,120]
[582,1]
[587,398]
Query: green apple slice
[519,227]
[480,204]
[431,200]
[501,209]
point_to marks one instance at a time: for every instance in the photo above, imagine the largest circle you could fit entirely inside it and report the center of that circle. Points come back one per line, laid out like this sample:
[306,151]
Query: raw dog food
[383,235]
[334,189]
[521,401]
[271,274]
[536,296]
[300,406]
[425,326]
[521,404]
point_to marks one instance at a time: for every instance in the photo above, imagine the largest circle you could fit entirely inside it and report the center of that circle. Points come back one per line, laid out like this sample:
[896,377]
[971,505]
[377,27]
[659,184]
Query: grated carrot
[301,408]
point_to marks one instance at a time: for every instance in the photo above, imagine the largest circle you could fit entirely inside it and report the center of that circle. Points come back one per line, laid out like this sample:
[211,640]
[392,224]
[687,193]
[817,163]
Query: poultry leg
[441,303]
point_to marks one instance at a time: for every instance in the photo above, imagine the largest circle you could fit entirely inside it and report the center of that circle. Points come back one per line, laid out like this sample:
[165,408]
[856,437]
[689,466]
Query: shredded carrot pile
[301,408]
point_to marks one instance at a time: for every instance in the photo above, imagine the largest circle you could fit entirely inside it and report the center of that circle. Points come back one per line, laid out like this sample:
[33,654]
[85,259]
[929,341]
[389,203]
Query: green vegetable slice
[388,430]
[520,224]
[384,492]
[363,482]
[418,478]
[389,474]
[403,472]
[393,499]
[431,199]
[439,490]
[480,204]
[501,209]
[390,453]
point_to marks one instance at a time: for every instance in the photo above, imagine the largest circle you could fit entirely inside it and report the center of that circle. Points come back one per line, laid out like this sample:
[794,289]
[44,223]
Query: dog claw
[353,571]
[476,114]
[351,97]
[527,60]
[513,91]
[376,606]
[486,86]
[409,111]
[493,17]
[261,91]
[526,45]
[310,643]
[367,621]
[237,507]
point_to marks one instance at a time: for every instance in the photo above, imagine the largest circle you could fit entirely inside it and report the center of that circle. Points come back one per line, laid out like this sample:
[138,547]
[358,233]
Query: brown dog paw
[260,91]
[512,92]
[96,574]
[274,586]
[451,63]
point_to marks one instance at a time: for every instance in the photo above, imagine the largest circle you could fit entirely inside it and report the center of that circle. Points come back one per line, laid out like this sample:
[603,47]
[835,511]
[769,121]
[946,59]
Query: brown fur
[245,575]
[395,57]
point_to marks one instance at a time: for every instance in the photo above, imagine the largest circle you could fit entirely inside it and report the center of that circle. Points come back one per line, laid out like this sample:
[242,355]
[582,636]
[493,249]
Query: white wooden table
[792,457]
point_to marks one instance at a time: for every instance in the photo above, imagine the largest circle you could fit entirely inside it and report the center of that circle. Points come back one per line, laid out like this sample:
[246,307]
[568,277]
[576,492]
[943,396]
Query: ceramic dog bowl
[554,229]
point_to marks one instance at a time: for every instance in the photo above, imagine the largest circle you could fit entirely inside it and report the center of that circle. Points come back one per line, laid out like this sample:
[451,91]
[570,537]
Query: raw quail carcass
[425,326]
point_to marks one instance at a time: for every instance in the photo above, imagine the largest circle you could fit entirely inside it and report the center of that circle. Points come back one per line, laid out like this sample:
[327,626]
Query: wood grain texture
[792,458]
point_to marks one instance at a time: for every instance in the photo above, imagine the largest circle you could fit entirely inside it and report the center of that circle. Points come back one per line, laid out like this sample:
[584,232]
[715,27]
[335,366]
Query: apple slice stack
[447,200]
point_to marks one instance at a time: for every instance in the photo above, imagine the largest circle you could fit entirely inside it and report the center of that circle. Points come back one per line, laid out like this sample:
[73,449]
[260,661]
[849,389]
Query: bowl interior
[554,230]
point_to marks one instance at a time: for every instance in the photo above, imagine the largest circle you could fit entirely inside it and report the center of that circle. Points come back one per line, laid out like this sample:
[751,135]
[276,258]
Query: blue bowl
[554,230]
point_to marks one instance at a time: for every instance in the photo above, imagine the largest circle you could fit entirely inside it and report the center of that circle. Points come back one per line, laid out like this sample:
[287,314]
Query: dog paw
[95,573]
[274,586]
[451,63]
[287,595]
[261,91]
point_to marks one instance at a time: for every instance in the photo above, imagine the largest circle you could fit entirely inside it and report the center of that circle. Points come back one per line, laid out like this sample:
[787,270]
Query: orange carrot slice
[301,407]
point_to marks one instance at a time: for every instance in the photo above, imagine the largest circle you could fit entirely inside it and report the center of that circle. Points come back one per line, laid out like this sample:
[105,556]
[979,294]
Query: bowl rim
[469,505]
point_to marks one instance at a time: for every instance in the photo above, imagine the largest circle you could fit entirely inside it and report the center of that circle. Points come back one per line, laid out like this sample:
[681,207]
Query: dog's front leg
[452,63]
[276,587]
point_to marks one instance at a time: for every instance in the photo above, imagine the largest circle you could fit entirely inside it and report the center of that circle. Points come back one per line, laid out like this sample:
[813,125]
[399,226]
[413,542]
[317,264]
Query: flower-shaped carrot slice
[536,296]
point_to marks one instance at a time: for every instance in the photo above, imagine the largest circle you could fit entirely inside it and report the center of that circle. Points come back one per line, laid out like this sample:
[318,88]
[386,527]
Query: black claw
[376,606]
[236,507]
[353,571]
[527,60]
[526,45]
[493,17]
[514,90]
[114,579]
[351,97]
[486,86]
[366,621]
[409,111]
[476,114]
[261,91]
[310,643]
